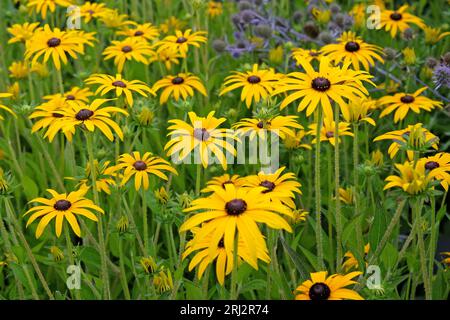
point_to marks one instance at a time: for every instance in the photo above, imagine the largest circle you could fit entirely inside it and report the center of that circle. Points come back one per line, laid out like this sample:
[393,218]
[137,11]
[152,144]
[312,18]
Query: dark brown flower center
[221,244]
[140,165]
[407,99]
[70,97]
[57,115]
[127,49]
[430,165]
[254,79]
[177,80]
[181,40]
[267,184]
[138,33]
[84,114]
[260,124]
[319,291]
[352,46]
[396,16]
[329,134]
[119,83]
[321,84]
[54,42]
[91,12]
[62,205]
[235,207]
[201,134]
[313,54]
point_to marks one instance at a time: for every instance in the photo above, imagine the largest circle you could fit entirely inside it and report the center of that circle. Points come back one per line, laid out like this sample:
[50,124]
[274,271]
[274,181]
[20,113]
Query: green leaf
[90,257]
[389,255]
[377,229]
[299,264]
[30,188]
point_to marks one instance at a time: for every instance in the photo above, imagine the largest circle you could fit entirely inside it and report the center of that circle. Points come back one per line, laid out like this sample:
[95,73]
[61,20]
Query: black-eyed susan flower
[330,83]
[347,195]
[182,40]
[256,84]
[299,215]
[42,6]
[215,8]
[232,210]
[278,186]
[398,20]
[222,180]
[411,179]
[308,55]
[91,10]
[89,117]
[167,57]
[120,86]
[404,139]
[439,164]
[141,167]
[162,195]
[127,50]
[146,31]
[62,206]
[179,86]
[402,103]
[282,126]
[22,32]
[358,110]
[105,176]
[351,262]
[40,68]
[328,130]
[434,35]
[112,18]
[321,287]
[162,281]
[75,94]
[14,90]
[3,107]
[224,260]
[148,264]
[352,49]
[297,141]
[18,70]
[56,253]
[171,24]
[56,44]
[202,136]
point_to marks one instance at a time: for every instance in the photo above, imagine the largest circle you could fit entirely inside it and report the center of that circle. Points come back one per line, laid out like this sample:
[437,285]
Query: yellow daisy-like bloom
[351,262]
[14,89]
[3,107]
[256,84]
[410,138]
[148,264]
[357,111]
[40,68]
[141,167]
[215,9]
[446,260]
[18,70]
[319,87]
[49,113]
[42,6]
[277,186]
[113,19]
[412,180]
[127,50]
[352,49]
[282,126]
[296,141]
[168,57]
[146,31]
[202,136]
[321,287]
[347,195]
[105,176]
[232,210]
[180,85]
[182,40]
[403,102]
[91,10]
[57,44]
[327,131]
[172,24]
[90,117]
[162,281]
[22,32]
[358,13]
[75,94]
[205,255]
[222,181]
[308,55]
[434,35]
[119,85]
[62,206]
[398,20]
[57,253]
[439,165]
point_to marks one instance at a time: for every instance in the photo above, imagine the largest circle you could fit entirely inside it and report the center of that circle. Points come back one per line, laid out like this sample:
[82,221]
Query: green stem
[336,185]
[319,240]
[359,235]
[123,275]
[198,178]
[144,220]
[417,209]
[233,286]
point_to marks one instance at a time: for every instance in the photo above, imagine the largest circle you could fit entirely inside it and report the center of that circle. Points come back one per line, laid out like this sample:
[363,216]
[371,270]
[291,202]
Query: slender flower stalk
[319,238]
[336,184]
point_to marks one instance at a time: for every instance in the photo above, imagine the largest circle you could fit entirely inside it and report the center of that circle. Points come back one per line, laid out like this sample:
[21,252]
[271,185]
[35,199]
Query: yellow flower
[321,287]
[308,55]
[180,85]
[172,24]
[352,49]
[57,254]
[40,69]
[376,158]
[403,102]
[42,6]
[398,20]
[322,16]
[257,84]
[113,19]
[276,55]
[146,116]
[161,195]
[202,136]
[314,88]
[181,41]
[214,8]
[62,206]
[119,85]
[18,70]
[347,195]
[358,12]
[357,111]
[14,89]
[299,215]
[163,281]
[327,132]
[295,142]
[351,262]
[168,57]
[145,31]
[282,126]
[75,94]
[222,181]
[105,176]
[391,87]
[409,56]
[141,167]
[122,224]
[22,32]
[412,180]
[148,264]
[439,166]
[434,35]
[91,10]
[446,260]
[127,50]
